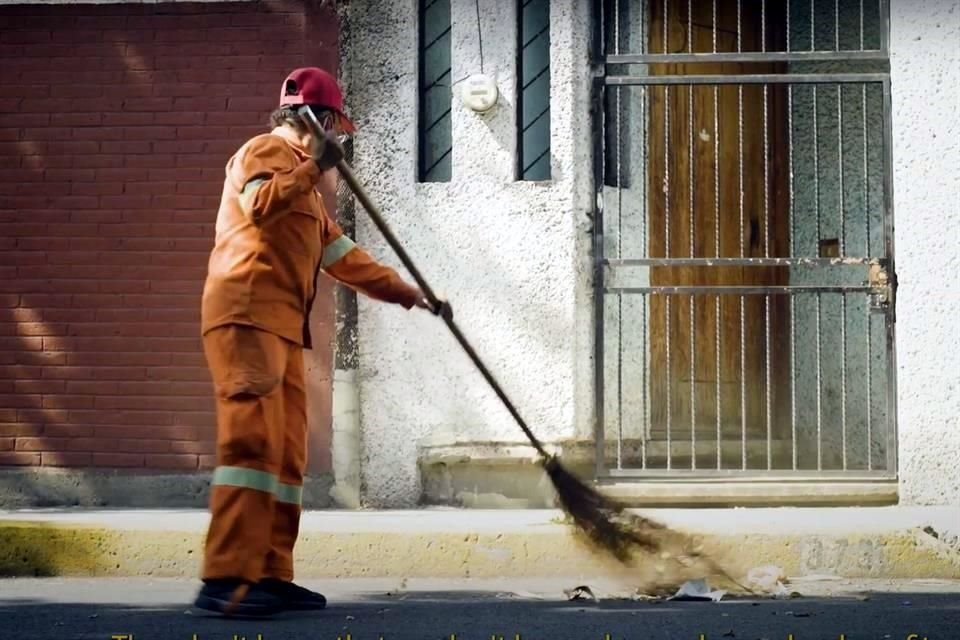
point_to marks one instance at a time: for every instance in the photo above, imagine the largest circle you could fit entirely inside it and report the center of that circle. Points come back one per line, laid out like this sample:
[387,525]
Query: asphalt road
[134,609]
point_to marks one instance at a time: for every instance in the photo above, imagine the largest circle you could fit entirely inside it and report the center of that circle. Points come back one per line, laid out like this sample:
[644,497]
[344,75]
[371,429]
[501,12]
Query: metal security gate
[744,240]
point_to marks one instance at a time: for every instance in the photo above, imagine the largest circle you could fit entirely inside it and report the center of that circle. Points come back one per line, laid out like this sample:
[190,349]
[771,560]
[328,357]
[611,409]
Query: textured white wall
[925,43]
[512,257]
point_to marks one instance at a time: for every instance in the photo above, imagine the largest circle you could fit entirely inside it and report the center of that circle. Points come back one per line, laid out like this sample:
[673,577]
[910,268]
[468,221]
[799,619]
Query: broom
[604,521]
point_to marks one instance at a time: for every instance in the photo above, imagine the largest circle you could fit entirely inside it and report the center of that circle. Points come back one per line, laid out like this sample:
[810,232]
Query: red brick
[102,161]
[42,358]
[152,402]
[37,162]
[208,462]
[42,416]
[39,386]
[106,133]
[117,460]
[19,459]
[76,120]
[68,402]
[16,36]
[21,343]
[124,358]
[264,104]
[20,401]
[112,174]
[74,230]
[125,230]
[45,300]
[149,133]
[68,431]
[171,461]
[148,104]
[124,147]
[20,430]
[62,147]
[62,459]
[176,118]
[196,448]
[146,431]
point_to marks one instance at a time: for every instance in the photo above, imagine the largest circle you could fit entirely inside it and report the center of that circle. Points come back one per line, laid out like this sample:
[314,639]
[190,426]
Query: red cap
[315,87]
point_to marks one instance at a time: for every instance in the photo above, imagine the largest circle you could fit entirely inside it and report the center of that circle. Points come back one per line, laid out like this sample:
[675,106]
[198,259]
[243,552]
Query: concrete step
[881,542]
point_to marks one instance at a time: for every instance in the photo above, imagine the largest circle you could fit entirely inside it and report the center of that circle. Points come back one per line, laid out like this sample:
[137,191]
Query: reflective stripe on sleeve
[336,250]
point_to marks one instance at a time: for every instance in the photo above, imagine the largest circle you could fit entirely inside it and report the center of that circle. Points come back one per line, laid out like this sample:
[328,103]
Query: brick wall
[115,124]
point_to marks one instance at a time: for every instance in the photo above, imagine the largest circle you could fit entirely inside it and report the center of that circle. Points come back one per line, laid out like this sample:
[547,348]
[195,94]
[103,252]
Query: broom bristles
[602,519]
[607,525]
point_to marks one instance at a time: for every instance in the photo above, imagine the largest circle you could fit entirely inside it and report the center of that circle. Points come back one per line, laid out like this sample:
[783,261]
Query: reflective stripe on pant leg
[243,477]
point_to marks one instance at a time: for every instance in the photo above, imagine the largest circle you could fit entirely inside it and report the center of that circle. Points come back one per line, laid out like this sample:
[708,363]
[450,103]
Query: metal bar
[740,290]
[743,262]
[666,22]
[766,387]
[598,293]
[813,25]
[819,394]
[885,26]
[793,252]
[714,27]
[666,241]
[616,47]
[788,27]
[693,386]
[716,225]
[646,249]
[743,386]
[746,79]
[758,475]
[890,316]
[843,377]
[861,25]
[669,387]
[866,211]
[719,414]
[836,25]
[843,216]
[793,381]
[690,214]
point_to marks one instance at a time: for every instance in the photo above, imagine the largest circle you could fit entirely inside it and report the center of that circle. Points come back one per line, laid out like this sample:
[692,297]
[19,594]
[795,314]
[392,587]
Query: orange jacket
[274,236]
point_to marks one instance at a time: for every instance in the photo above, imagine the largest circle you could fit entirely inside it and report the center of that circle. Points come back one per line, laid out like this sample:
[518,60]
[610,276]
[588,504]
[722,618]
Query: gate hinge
[883,286]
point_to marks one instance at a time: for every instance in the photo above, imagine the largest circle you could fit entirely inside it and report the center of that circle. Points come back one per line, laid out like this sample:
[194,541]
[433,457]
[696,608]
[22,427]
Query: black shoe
[216,597]
[293,596]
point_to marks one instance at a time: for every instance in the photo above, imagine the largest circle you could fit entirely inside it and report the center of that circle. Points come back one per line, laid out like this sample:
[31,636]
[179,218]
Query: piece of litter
[765,578]
[582,592]
[697,590]
[730,634]
[350,618]
[93,615]
[863,598]
[798,614]
[906,603]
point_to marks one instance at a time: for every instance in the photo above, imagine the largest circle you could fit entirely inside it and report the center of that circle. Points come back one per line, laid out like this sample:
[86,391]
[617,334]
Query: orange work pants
[261,453]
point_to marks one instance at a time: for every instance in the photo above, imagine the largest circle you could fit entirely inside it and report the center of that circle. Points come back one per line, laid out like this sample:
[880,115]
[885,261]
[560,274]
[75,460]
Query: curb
[358,546]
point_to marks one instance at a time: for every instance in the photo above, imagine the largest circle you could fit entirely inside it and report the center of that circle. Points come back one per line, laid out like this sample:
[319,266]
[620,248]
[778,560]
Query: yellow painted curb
[62,549]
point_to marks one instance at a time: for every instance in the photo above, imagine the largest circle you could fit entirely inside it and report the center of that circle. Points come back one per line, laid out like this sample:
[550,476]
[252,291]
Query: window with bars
[534,91]
[434,133]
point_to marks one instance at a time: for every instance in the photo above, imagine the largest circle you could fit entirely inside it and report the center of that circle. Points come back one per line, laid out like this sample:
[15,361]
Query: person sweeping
[273,238]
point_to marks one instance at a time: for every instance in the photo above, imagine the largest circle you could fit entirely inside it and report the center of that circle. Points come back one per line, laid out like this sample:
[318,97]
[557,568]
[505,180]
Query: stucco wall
[513,257]
[926,153]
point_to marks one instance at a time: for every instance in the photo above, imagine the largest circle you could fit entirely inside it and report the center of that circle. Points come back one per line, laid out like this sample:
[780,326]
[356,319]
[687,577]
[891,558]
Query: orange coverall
[273,236]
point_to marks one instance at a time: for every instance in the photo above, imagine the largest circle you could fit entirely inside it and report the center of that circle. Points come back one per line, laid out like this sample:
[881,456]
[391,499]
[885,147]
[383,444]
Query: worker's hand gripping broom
[604,521]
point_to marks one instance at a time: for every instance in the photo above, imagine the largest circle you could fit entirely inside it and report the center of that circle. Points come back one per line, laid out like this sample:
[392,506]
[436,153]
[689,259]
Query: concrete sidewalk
[882,542]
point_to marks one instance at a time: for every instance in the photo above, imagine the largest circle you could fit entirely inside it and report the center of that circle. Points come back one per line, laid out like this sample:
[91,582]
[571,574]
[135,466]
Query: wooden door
[711,203]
